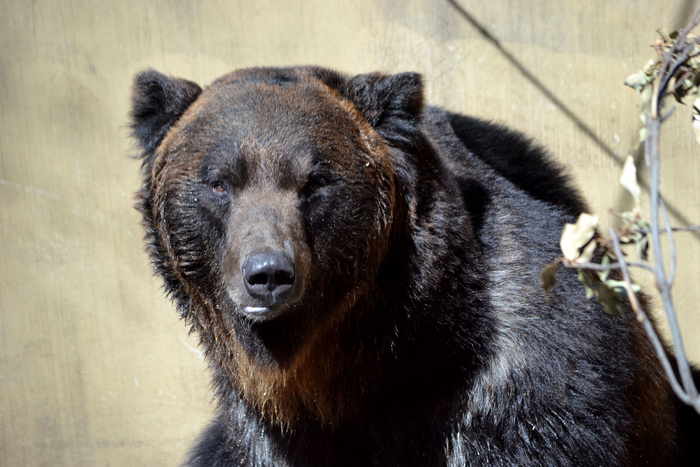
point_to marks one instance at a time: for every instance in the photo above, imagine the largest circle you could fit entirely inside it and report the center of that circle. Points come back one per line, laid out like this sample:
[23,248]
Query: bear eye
[314,184]
[218,188]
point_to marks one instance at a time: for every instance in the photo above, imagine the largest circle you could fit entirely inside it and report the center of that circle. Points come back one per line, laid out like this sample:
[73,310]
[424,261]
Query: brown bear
[363,272]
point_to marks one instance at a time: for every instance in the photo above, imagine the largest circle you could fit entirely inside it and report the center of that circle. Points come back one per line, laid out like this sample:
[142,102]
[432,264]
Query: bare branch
[671,61]
[673,74]
[646,322]
[605,267]
[671,243]
[689,228]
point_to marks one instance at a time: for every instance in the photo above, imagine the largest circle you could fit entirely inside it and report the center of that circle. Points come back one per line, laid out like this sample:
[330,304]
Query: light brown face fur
[262,167]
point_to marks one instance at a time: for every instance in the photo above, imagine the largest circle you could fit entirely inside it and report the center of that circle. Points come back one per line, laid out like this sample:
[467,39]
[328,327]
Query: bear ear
[157,101]
[386,99]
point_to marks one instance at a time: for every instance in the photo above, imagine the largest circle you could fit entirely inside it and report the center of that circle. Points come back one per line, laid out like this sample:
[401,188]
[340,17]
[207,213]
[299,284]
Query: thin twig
[690,228]
[671,244]
[605,267]
[646,322]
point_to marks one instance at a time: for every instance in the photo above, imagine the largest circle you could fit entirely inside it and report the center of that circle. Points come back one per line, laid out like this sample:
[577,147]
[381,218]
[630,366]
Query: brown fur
[312,381]
[656,414]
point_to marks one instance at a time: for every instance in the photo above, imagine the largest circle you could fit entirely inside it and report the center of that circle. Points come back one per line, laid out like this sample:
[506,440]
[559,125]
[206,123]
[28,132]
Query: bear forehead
[272,118]
[269,103]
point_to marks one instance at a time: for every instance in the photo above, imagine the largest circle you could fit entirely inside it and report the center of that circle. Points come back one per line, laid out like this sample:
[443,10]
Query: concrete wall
[95,368]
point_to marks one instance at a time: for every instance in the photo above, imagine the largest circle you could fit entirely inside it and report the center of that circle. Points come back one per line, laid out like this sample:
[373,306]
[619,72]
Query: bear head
[269,200]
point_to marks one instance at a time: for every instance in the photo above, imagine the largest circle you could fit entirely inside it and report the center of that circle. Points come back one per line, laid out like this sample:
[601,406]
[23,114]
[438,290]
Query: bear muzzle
[271,283]
[266,259]
[269,277]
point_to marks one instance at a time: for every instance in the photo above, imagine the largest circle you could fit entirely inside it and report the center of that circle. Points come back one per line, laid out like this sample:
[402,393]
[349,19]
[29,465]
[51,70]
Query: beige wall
[95,368]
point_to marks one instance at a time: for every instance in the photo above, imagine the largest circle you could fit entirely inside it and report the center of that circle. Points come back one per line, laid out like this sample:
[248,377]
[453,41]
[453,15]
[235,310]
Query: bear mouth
[262,313]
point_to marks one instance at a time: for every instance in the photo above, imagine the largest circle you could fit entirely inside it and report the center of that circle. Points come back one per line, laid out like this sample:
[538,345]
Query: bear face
[269,202]
[262,211]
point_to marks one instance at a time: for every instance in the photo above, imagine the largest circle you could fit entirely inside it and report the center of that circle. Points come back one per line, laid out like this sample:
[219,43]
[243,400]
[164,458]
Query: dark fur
[415,331]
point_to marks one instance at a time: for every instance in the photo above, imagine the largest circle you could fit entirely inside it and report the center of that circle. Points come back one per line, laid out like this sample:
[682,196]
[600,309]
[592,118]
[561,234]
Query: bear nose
[268,276]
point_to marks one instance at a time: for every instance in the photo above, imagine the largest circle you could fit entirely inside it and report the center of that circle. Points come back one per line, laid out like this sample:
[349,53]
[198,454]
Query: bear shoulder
[511,155]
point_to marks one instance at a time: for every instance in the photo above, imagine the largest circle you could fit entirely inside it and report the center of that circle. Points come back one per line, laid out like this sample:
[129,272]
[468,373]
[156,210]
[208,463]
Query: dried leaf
[696,80]
[609,299]
[628,179]
[604,274]
[637,80]
[587,253]
[549,275]
[642,247]
[590,282]
[620,287]
[642,134]
[576,238]
[650,66]
[696,120]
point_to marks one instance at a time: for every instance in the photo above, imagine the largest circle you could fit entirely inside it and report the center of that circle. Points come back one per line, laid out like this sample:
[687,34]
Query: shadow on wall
[685,12]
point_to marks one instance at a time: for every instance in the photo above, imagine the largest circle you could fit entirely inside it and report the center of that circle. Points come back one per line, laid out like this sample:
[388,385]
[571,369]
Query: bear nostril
[284,277]
[268,276]
[258,279]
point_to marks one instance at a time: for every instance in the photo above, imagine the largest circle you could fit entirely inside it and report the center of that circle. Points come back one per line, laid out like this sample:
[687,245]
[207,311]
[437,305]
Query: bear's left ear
[157,101]
[383,99]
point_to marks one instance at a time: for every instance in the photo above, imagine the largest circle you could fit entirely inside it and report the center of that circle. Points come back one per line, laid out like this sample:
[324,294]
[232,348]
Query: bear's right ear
[157,101]
[382,99]
[387,102]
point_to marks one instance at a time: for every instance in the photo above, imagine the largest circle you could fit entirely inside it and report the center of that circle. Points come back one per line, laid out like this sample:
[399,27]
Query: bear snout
[269,278]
